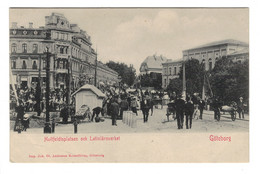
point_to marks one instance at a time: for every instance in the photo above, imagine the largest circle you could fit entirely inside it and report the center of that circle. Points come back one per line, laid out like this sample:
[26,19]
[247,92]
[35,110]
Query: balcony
[62,71]
[63,56]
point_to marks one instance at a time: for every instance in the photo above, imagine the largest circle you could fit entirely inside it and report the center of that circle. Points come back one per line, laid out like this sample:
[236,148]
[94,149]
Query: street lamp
[47,127]
[119,84]
[47,41]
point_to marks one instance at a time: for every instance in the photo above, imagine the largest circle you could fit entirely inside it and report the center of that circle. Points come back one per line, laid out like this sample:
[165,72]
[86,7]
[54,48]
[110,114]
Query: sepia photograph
[117,78]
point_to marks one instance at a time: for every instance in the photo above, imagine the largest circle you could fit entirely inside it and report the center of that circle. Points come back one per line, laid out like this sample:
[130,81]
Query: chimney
[14,24]
[30,25]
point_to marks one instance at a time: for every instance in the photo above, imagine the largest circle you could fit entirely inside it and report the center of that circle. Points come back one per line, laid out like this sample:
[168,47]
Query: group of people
[187,108]
[29,97]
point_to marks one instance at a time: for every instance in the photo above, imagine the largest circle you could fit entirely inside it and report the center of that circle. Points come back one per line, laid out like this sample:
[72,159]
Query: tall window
[24,66]
[24,48]
[44,64]
[61,65]
[34,66]
[14,48]
[203,63]
[175,70]
[35,48]
[61,50]
[13,64]
[165,83]
[210,64]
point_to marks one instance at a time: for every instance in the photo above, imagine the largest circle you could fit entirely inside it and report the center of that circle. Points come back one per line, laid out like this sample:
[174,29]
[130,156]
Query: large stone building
[69,47]
[207,54]
[152,64]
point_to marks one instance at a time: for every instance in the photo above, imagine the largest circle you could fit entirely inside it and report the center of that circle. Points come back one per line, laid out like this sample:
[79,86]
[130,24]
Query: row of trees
[127,73]
[228,80]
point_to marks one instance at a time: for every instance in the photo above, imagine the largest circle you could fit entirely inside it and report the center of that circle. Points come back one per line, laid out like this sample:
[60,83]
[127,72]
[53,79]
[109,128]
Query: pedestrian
[189,109]
[123,107]
[64,114]
[114,111]
[20,116]
[216,108]
[201,107]
[240,107]
[134,105]
[96,112]
[145,107]
[180,105]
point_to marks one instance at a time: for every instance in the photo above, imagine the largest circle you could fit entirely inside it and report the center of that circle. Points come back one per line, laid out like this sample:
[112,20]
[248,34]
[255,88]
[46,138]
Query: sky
[129,35]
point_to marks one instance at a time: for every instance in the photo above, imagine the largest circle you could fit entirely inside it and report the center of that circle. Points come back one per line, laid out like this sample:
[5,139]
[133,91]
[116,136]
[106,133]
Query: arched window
[210,64]
[35,48]
[14,48]
[24,48]
[24,66]
[170,71]
[34,66]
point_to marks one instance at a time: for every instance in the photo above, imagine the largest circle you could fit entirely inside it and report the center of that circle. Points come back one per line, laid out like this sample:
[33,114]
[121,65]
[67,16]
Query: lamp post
[119,84]
[47,127]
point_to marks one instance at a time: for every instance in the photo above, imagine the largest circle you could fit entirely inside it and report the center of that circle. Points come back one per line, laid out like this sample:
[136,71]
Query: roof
[92,88]
[243,51]
[222,42]
[154,62]
[170,61]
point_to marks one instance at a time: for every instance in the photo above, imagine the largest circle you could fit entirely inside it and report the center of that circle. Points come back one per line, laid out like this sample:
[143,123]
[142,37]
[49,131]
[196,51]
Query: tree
[230,80]
[194,75]
[126,72]
[175,85]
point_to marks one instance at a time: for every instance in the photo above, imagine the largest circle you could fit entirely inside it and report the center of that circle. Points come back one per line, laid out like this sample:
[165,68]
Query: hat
[241,98]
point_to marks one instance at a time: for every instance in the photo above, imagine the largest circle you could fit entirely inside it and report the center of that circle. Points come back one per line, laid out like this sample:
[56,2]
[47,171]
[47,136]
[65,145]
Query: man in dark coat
[96,112]
[64,114]
[20,115]
[180,105]
[145,107]
[123,107]
[114,111]
[201,107]
[189,109]
[240,107]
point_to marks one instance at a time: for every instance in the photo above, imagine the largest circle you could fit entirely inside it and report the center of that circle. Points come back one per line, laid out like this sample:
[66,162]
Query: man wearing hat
[145,107]
[180,105]
[240,108]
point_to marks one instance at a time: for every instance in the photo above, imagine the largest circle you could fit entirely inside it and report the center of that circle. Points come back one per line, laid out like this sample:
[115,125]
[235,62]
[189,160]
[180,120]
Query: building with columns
[70,49]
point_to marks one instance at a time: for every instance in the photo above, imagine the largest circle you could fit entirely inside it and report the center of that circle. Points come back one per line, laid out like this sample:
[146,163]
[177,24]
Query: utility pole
[47,127]
[95,82]
[38,89]
[184,80]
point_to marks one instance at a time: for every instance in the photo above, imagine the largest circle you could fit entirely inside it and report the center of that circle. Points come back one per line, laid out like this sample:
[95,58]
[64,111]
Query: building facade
[210,53]
[207,54]
[170,71]
[70,49]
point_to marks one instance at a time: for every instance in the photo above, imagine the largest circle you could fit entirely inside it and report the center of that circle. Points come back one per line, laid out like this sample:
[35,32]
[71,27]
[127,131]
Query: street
[156,123]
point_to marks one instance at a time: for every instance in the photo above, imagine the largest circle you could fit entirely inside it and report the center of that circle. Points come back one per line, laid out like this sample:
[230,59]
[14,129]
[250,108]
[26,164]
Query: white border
[7,167]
